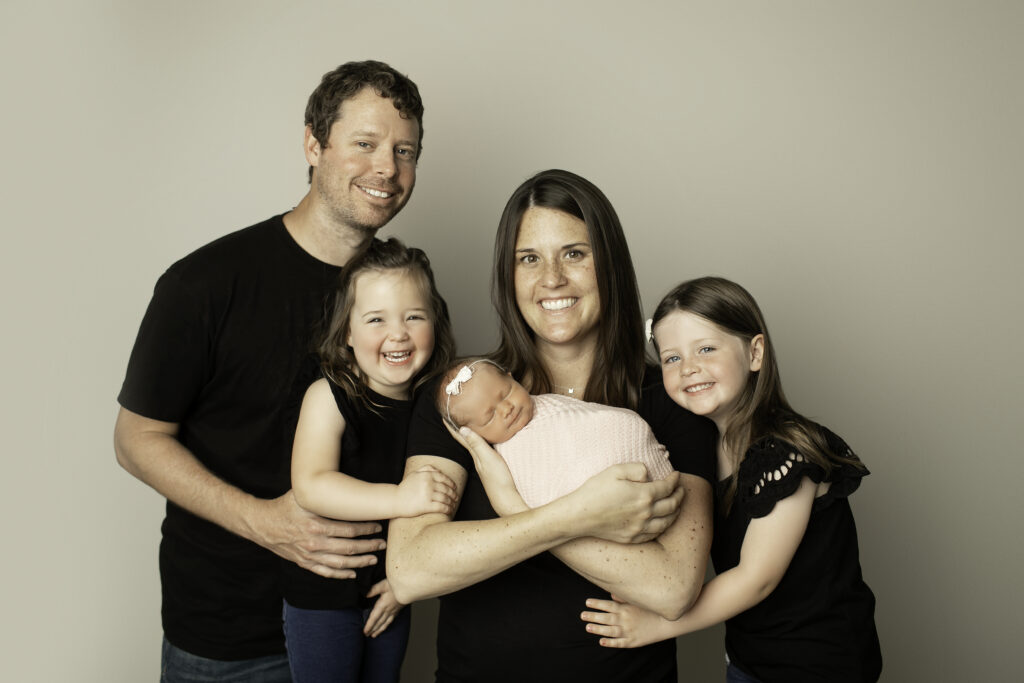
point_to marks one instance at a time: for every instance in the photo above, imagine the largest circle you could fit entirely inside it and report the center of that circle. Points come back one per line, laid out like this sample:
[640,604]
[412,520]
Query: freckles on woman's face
[555,278]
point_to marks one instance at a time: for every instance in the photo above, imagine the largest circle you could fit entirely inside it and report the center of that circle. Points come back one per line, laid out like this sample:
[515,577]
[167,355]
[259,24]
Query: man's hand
[324,546]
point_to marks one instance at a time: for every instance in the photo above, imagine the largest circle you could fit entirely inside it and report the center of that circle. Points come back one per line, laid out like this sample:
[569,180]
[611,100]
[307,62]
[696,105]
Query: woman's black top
[524,624]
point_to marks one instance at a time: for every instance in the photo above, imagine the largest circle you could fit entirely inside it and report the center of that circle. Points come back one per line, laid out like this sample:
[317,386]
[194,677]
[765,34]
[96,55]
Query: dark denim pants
[178,666]
[328,646]
[734,675]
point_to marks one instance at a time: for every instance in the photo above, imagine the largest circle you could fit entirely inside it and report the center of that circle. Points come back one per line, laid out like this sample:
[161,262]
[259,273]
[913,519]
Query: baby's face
[492,404]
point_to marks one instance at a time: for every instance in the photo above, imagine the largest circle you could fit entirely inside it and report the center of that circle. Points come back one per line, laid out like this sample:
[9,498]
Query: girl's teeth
[699,387]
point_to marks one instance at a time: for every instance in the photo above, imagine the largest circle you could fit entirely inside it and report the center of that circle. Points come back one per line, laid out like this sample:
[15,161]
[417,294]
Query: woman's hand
[620,505]
[425,490]
[493,472]
[384,610]
[623,625]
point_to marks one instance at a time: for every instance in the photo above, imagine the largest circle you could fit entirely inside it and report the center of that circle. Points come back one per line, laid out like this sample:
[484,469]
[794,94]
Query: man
[202,416]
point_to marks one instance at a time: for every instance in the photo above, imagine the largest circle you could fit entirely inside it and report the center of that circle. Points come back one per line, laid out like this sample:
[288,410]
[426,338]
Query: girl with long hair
[388,332]
[788,583]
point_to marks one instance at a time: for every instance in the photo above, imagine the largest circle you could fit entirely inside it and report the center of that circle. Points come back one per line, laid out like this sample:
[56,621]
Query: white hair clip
[649,330]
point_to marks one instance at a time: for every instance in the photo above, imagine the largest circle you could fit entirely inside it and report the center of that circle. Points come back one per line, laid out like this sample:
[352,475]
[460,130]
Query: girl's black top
[818,623]
[373,450]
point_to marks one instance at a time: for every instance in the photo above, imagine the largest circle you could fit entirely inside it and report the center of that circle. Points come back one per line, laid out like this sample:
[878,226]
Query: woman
[569,307]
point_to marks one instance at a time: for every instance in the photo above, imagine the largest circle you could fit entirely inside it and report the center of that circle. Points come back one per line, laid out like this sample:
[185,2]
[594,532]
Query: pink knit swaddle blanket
[568,441]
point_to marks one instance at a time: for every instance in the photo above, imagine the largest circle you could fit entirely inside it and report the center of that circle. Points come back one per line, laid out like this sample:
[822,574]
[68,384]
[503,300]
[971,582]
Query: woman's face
[555,280]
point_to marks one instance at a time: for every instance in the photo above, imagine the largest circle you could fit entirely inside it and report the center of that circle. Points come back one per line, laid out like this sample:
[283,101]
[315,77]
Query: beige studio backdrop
[857,165]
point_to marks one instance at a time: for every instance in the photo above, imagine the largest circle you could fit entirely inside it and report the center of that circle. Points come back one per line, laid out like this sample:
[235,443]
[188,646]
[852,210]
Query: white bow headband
[454,388]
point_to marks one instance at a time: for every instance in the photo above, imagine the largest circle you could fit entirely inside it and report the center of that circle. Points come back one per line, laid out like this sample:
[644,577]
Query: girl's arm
[433,555]
[663,575]
[320,488]
[768,547]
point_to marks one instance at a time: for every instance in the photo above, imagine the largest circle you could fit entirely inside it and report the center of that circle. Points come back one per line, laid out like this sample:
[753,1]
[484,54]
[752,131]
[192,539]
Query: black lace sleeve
[772,470]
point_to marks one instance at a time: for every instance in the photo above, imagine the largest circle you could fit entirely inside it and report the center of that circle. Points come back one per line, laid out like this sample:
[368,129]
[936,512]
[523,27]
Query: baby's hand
[426,490]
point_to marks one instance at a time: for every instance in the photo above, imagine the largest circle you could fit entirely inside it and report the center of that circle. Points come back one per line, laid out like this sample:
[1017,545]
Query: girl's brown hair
[336,358]
[762,410]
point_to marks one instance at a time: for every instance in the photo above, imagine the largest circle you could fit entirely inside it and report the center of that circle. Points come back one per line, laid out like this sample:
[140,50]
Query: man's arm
[149,450]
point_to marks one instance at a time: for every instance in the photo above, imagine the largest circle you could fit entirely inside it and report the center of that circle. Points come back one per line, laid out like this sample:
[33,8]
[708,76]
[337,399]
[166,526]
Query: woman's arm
[432,555]
[768,548]
[320,488]
[663,574]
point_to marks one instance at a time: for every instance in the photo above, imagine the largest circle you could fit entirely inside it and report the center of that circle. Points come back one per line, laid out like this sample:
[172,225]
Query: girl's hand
[384,610]
[623,625]
[620,505]
[493,472]
[425,490]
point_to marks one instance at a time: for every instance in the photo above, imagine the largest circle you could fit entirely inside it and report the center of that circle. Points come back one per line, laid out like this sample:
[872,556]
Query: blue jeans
[328,645]
[734,675]
[178,666]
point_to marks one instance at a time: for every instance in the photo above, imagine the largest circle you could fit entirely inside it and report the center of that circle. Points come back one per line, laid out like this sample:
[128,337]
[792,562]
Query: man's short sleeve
[170,361]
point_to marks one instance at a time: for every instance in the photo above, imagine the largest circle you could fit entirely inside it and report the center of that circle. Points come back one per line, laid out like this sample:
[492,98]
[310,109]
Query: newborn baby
[551,443]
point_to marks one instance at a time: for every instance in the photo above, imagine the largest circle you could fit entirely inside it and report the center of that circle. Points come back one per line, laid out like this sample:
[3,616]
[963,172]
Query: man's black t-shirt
[217,352]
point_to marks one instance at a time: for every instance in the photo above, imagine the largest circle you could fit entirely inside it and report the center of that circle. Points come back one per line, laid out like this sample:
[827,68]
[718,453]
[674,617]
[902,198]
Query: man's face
[366,173]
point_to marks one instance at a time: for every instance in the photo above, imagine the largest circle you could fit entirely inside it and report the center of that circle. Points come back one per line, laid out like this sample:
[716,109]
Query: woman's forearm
[663,575]
[432,555]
